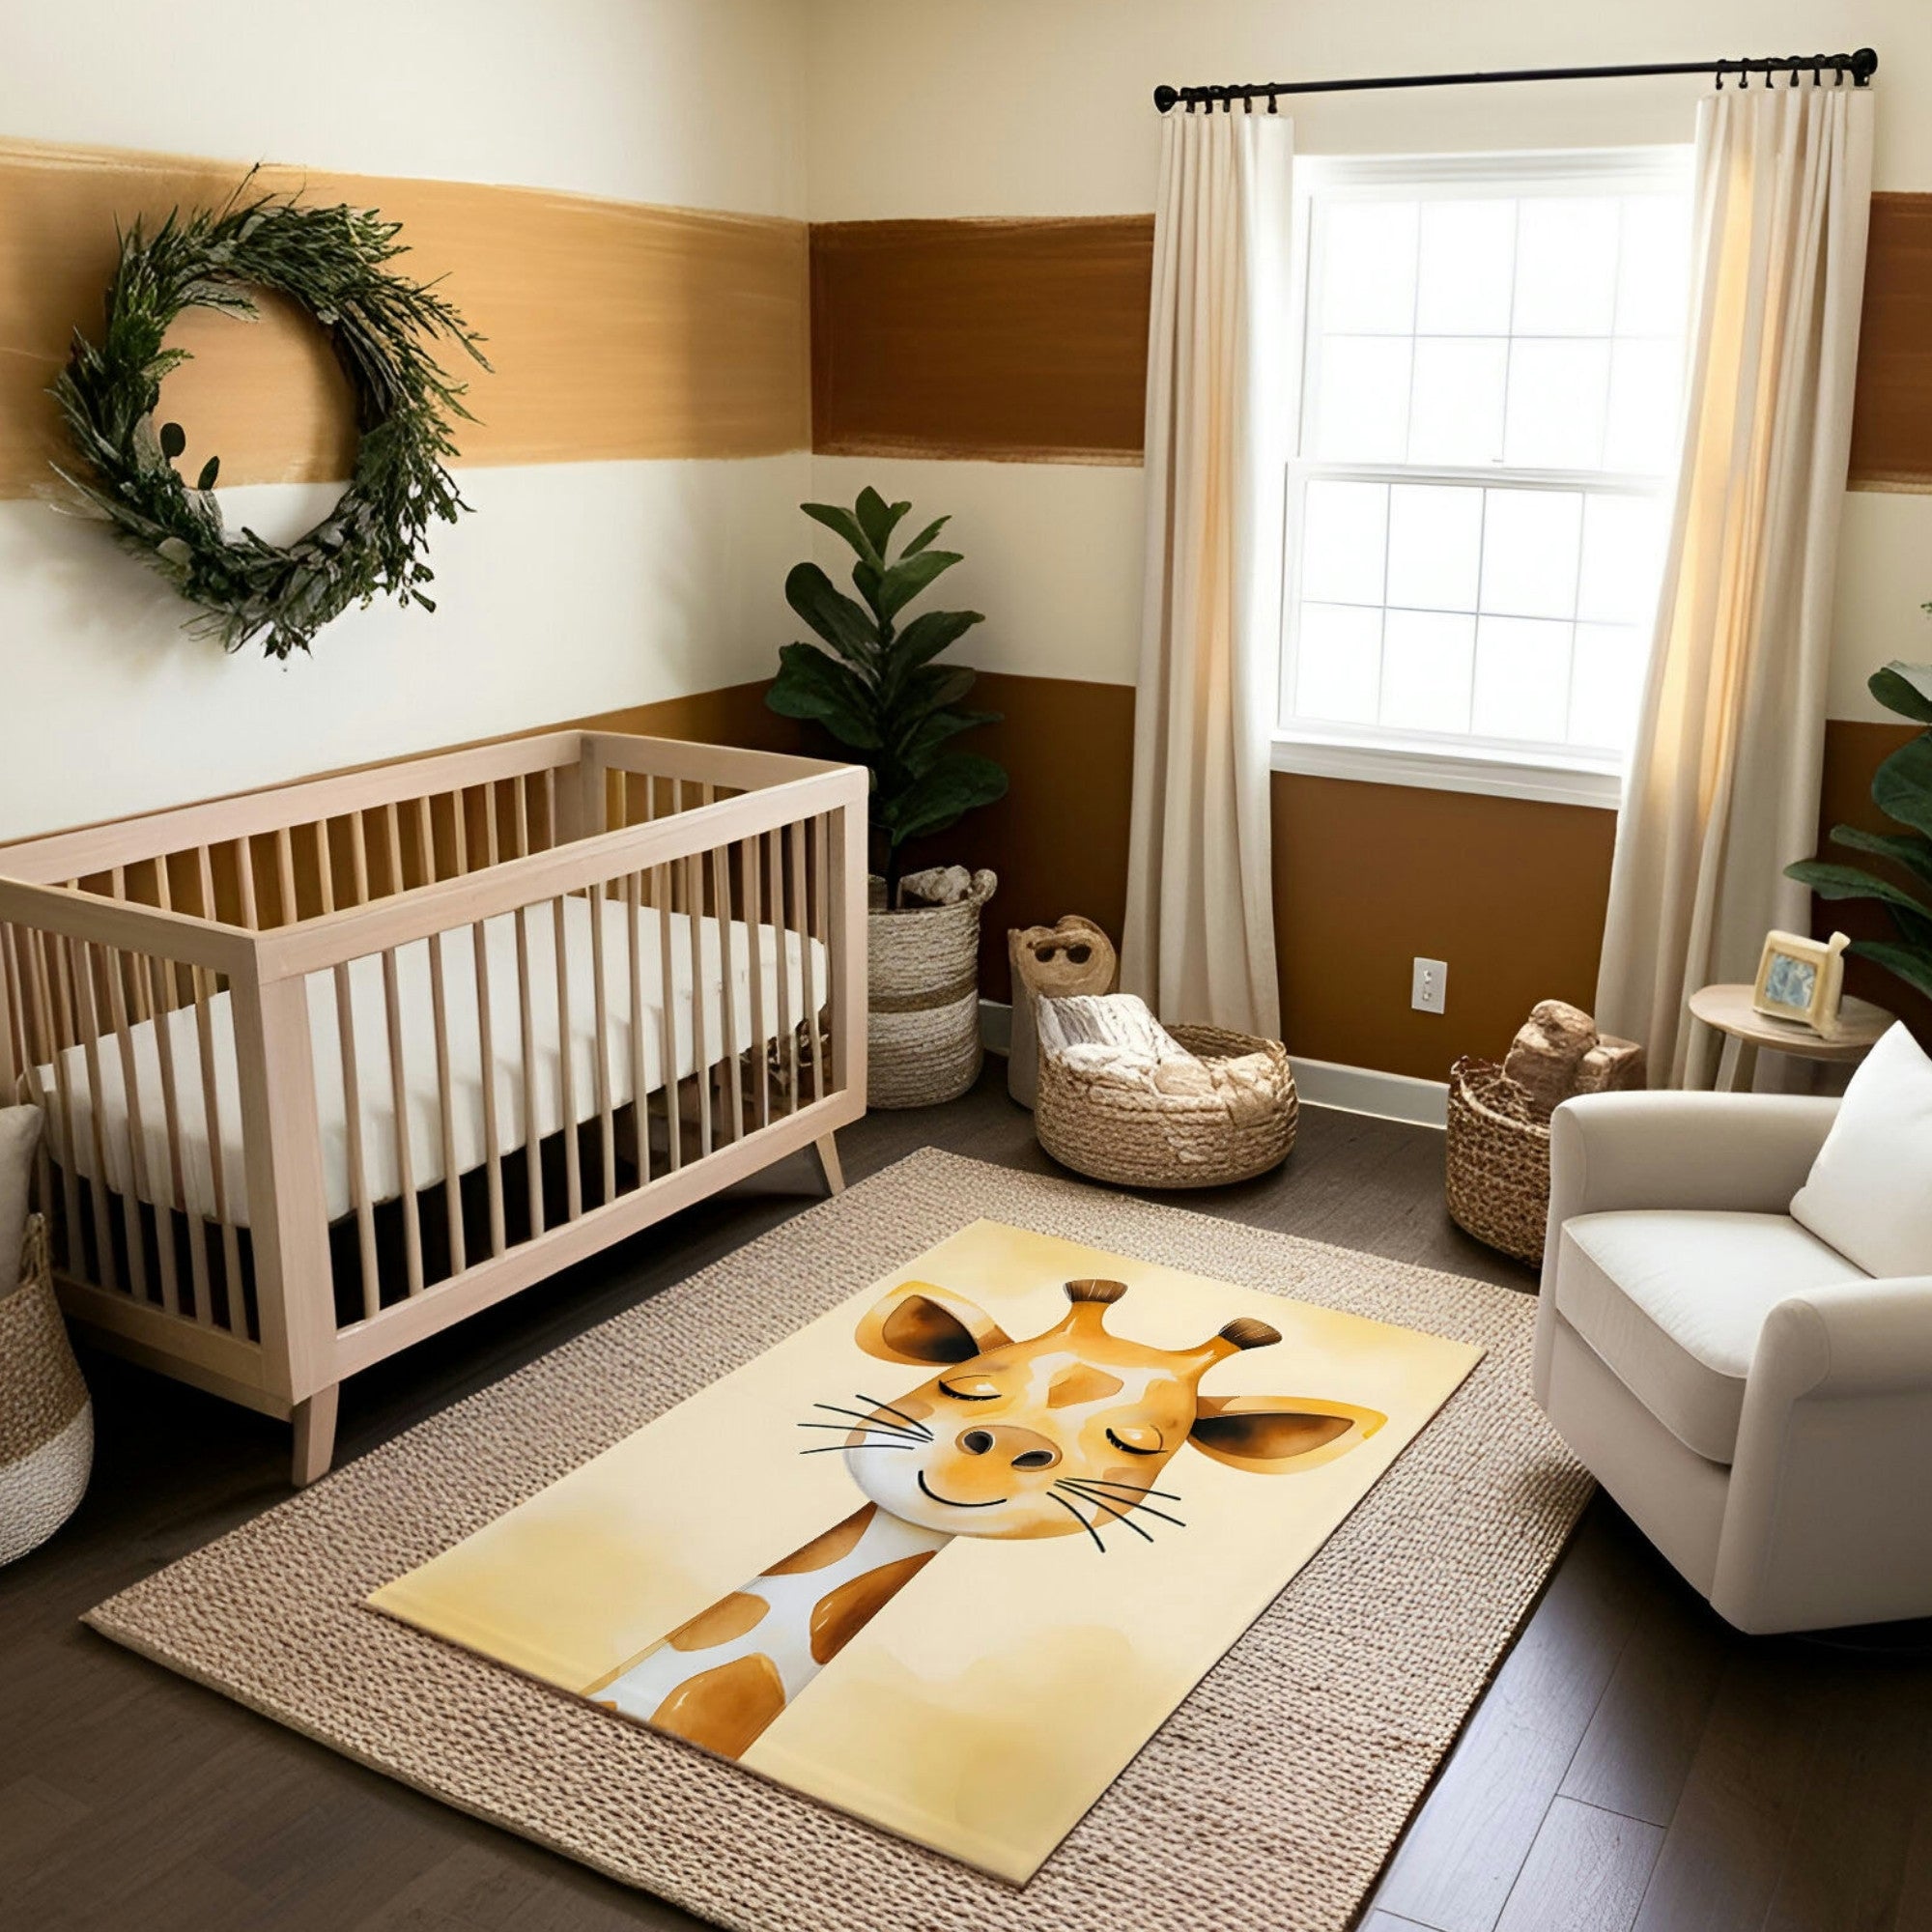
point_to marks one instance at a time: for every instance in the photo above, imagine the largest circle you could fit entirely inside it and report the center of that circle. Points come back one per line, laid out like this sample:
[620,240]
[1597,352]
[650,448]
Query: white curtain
[1199,943]
[1723,788]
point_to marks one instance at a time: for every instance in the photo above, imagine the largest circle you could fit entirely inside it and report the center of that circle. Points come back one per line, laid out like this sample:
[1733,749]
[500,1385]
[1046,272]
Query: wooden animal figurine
[1067,1434]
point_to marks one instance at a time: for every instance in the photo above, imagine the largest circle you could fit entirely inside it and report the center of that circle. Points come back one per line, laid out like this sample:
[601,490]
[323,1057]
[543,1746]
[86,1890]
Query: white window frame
[1561,774]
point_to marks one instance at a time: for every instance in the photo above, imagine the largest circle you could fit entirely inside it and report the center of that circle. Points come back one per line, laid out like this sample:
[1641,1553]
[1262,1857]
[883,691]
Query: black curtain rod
[1861,65]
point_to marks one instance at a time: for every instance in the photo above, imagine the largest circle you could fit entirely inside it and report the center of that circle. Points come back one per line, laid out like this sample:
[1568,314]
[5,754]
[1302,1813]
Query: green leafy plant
[875,683]
[1902,789]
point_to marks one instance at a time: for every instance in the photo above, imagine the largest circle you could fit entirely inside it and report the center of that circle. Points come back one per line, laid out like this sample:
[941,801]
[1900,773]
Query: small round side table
[1737,1032]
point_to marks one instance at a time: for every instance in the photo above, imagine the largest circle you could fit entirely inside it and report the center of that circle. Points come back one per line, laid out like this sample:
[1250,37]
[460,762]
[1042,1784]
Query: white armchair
[1758,1405]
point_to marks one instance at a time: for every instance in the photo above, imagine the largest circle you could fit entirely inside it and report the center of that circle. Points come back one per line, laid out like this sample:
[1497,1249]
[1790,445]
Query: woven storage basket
[46,1422]
[1498,1161]
[1158,1140]
[922,1032]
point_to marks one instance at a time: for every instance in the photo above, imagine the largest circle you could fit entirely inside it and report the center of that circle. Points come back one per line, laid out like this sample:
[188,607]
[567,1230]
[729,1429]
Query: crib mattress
[690,1018]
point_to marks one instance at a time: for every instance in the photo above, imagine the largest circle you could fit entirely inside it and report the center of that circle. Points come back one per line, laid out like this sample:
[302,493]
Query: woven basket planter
[46,1422]
[1498,1161]
[922,974]
[1136,1139]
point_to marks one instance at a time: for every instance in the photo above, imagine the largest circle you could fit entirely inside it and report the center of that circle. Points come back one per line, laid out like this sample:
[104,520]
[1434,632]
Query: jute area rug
[1272,1796]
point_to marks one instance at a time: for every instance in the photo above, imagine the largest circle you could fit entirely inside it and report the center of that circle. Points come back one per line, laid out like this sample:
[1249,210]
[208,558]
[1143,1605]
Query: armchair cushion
[1869,1193]
[1672,1300]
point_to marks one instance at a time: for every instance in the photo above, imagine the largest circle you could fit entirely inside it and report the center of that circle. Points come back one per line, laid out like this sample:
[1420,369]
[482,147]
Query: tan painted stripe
[1023,340]
[1027,340]
[616,329]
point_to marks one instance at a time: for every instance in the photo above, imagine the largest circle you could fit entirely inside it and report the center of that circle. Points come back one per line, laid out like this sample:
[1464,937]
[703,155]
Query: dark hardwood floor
[1635,1764]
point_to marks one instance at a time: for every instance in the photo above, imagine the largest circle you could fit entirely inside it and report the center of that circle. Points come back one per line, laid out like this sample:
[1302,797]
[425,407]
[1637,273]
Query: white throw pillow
[1869,1193]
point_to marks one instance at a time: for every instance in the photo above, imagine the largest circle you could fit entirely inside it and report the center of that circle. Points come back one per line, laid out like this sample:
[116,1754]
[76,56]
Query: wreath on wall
[335,262]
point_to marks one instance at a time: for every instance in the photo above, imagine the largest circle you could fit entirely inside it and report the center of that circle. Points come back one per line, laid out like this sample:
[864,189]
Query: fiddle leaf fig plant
[1902,789]
[874,680]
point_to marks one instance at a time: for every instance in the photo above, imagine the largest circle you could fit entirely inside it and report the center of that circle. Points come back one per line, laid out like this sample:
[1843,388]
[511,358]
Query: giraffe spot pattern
[824,1551]
[726,1708]
[1082,1383]
[728,1618]
[839,1616]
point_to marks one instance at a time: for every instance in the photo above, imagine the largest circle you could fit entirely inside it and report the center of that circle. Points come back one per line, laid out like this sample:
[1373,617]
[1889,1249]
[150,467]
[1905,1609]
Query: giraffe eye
[984,1393]
[1144,1447]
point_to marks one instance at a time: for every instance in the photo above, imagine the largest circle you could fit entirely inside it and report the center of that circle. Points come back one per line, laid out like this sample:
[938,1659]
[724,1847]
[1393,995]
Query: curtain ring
[1717,80]
[1793,58]
[1247,103]
[1273,108]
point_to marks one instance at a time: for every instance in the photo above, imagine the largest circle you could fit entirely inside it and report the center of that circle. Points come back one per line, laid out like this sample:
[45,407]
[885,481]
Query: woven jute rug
[1272,1796]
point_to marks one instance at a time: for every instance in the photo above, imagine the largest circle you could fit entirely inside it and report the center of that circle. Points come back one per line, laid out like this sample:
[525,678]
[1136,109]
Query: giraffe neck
[720,1679]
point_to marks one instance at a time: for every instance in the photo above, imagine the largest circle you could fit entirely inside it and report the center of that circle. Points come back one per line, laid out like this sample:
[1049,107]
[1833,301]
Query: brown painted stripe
[1022,340]
[1027,340]
[615,330]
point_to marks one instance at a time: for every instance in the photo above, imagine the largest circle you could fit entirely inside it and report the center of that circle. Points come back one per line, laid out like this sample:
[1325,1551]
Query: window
[1491,354]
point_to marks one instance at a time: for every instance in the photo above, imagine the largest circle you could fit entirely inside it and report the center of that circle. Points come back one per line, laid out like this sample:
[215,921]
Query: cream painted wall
[1019,107]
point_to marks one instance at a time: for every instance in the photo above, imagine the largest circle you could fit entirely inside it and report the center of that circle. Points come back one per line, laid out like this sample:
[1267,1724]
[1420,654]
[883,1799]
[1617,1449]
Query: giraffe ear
[1272,1435]
[918,1322]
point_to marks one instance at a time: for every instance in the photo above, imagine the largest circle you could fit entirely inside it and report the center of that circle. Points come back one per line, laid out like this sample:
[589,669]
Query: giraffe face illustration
[1067,1432]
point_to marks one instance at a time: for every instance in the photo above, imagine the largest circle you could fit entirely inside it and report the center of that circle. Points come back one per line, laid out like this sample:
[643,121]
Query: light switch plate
[1429,988]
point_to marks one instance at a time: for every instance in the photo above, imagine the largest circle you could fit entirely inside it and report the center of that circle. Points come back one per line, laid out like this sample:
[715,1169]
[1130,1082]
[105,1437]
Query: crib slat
[533,1153]
[164,1053]
[700,1060]
[788,1030]
[359,1172]
[641,1119]
[78,971]
[821,856]
[492,846]
[134,1129]
[325,865]
[21,1054]
[607,1124]
[392,846]
[210,1112]
[399,1099]
[551,839]
[358,857]
[459,802]
[519,821]
[204,880]
[754,939]
[285,874]
[426,839]
[452,1180]
[801,906]
[60,1034]
[492,1153]
[728,995]
[245,876]
[566,1070]
[661,890]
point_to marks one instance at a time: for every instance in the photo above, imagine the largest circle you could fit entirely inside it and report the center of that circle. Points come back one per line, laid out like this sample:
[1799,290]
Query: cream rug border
[1276,1791]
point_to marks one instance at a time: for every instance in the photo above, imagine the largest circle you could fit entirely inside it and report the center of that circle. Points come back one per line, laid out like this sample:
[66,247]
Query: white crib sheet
[369,1025]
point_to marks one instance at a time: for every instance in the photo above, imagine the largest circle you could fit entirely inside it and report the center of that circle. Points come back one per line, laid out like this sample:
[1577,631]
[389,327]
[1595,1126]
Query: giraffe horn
[1246,1332]
[1090,1290]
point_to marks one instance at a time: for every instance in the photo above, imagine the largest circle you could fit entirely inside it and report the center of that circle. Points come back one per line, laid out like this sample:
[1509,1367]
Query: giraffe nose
[1019,1448]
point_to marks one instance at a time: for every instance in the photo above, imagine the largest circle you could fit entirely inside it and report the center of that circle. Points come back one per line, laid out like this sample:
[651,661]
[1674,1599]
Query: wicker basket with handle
[46,1422]
[1137,1139]
[1498,1161]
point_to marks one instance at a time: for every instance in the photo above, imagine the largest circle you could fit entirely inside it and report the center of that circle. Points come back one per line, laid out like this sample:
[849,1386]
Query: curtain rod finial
[1864,64]
[1164,98]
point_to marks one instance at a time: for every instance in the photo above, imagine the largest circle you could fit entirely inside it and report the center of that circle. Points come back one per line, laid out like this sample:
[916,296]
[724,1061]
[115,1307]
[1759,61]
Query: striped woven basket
[922,1032]
[46,1422]
[1496,1175]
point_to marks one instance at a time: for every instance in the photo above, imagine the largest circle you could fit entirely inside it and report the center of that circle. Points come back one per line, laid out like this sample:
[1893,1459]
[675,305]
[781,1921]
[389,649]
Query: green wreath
[335,262]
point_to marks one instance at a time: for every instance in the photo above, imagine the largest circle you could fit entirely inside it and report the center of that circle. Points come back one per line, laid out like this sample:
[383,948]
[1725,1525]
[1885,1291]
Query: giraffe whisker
[843,1448]
[863,1428]
[911,1421]
[1137,1488]
[1080,1488]
[1118,1515]
[863,1415]
[1080,1519]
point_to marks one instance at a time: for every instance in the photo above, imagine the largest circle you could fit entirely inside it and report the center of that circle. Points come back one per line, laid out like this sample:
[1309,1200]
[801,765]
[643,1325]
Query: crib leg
[315,1437]
[826,1148]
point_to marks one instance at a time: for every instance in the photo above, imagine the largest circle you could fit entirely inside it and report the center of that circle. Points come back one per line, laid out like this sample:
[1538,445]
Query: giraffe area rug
[1036,1546]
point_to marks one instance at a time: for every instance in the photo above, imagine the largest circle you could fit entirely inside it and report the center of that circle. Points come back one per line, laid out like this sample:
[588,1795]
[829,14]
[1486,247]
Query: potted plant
[1902,789]
[875,683]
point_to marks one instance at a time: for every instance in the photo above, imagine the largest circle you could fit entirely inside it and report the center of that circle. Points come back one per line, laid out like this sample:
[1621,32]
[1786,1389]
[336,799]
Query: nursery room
[966,965]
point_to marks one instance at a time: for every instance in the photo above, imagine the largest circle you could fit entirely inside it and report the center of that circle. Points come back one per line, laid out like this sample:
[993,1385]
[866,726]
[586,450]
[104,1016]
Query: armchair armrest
[1825,1522]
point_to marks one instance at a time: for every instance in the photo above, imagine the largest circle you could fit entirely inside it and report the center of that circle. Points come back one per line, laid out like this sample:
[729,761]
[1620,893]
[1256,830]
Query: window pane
[1531,551]
[1456,412]
[1427,660]
[1468,248]
[1523,679]
[1435,536]
[1557,393]
[1607,684]
[1344,526]
[1622,553]
[1338,663]
[1361,398]
[1368,267]
[1566,266]
[1653,267]
[1643,417]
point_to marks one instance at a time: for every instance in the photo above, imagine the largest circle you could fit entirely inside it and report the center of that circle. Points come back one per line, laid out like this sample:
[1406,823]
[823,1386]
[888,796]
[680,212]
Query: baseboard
[1320,1083]
[1364,1089]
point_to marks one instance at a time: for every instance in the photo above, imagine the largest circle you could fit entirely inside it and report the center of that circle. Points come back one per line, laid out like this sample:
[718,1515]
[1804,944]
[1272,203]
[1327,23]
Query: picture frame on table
[1802,980]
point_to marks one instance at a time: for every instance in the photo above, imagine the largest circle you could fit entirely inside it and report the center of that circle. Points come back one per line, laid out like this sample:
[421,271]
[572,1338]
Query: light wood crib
[328,1067]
